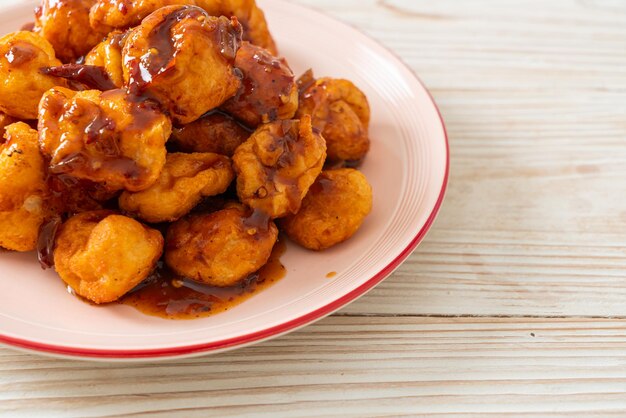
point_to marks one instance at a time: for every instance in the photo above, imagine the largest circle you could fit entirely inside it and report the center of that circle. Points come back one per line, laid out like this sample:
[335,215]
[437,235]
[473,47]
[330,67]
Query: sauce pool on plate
[166,295]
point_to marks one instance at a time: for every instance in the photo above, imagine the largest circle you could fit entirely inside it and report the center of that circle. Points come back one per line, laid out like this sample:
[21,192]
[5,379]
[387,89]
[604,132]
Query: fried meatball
[184,181]
[184,58]
[65,24]
[22,188]
[108,55]
[278,164]
[110,138]
[268,92]
[216,132]
[340,111]
[102,255]
[332,211]
[22,54]
[219,249]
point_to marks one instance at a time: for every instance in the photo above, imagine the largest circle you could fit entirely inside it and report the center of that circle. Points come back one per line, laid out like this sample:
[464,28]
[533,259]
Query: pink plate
[408,169]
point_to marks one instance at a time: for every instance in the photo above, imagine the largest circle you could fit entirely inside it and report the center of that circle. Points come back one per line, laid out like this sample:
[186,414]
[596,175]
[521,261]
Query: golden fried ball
[278,164]
[184,181]
[268,92]
[332,211]
[108,55]
[215,132]
[22,188]
[65,24]
[184,58]
[105,137]
[22,55]
[219,249]
[341,112]
[102,255]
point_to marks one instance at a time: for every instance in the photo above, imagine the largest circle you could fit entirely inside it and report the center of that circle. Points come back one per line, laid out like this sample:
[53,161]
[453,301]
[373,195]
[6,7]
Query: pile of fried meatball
[143,130]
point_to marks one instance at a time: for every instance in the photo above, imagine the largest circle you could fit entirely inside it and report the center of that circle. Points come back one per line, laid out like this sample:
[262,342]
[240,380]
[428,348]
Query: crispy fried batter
[22,188]
[65,24]
[184,58]
[332,211]
[215,132]
[184,181]
[340,111]
[278,164]
[268,91]
[102,255]
[219,249]
[110,138]
[22,55]
[108,55]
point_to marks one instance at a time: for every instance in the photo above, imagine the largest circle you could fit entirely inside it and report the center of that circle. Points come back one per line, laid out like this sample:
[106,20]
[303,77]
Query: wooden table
[516,301]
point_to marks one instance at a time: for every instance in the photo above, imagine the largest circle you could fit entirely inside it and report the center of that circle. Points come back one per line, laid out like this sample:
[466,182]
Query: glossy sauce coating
[20,53]
[91,76]
[182,57]
[268,90]
[166,295]
[105,137]
[45,242]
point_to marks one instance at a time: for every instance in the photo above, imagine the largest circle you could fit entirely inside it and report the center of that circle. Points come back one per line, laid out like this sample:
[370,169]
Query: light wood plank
[356,365]
[534,97]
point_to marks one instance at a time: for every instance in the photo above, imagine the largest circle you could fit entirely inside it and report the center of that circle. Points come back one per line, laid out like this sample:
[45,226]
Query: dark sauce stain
[258,221]
[46,242]
[305,81]
[161,55]
[166,295]
[91,76]
[20,53]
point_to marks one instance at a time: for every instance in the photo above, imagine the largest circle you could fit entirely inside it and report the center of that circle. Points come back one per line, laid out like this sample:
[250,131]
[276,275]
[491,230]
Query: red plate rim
[277,330]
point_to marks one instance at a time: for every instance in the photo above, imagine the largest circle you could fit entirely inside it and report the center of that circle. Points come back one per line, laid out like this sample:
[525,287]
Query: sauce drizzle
[91,76]
[46,241]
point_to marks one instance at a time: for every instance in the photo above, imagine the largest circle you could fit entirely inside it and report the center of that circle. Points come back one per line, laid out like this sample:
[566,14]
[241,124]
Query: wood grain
[534,98]
[532,236]
[353,366]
